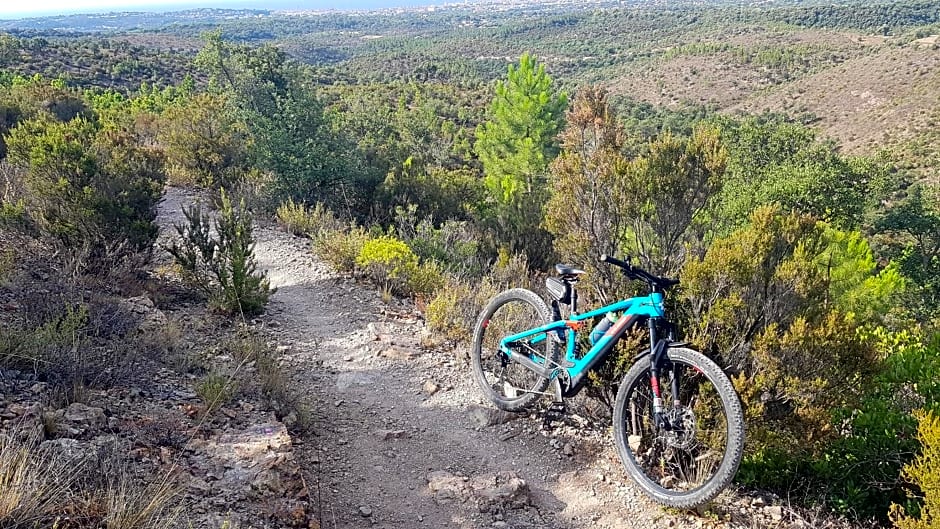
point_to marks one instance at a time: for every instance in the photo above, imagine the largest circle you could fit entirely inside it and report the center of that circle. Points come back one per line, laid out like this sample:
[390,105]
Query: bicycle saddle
[565,270]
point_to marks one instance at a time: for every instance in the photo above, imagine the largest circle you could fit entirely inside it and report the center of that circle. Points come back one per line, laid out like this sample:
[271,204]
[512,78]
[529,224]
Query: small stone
[758,502]
[568,450]
[775,512]
[430,388]
[290,420]
[508,435]
[365,511]
[82,416]
[482,417]
[397,353]
[385,435]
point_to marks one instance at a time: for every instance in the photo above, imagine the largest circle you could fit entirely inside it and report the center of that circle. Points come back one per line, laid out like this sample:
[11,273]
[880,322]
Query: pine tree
[515,145]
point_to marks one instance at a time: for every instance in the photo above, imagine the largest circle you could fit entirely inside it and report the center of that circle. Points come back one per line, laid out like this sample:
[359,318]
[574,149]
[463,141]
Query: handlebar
[633,272]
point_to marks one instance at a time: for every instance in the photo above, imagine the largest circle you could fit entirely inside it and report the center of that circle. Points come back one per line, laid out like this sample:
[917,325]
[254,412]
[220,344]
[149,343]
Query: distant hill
[125,21]
[866,74]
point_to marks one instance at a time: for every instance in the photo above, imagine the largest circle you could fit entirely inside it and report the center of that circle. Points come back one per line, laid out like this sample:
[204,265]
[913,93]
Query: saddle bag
[558,289]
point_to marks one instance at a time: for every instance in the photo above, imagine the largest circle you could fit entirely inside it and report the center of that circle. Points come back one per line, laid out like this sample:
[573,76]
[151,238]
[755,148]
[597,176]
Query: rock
[397,353]
[775,512]
[290,420]
[430,388]
[151,319]
[758,502]
[568,450]
[256,463]
[377,330]
[18,410]
[482,417]
[509,435]
[442,481]
[365,511]
[347,379]
[385,435]
[81,417]
[501,488]
[72,453]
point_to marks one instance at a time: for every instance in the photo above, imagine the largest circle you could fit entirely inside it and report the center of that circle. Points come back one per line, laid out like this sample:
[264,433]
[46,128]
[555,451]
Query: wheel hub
[682,428]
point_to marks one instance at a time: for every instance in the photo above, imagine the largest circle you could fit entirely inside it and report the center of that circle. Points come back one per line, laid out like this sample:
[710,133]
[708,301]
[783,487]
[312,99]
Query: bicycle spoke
[687,453]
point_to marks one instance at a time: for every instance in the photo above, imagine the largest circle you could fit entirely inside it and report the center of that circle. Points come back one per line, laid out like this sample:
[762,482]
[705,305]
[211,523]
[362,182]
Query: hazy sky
[20,8]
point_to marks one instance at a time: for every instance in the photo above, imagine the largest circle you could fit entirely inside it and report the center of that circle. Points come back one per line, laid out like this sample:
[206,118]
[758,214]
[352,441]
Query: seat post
[574,299]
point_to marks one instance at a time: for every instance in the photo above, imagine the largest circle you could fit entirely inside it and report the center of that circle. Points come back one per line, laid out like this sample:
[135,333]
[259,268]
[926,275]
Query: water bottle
[602,326]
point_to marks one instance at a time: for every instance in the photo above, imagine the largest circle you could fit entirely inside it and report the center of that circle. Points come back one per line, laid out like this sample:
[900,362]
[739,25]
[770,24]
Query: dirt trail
[380,432]
[388,416]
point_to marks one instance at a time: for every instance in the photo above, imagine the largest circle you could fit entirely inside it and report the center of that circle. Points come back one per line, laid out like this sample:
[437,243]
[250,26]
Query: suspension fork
[658,349]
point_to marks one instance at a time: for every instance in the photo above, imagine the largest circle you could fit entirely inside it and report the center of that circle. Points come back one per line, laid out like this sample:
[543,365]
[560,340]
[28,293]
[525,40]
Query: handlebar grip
[614,261]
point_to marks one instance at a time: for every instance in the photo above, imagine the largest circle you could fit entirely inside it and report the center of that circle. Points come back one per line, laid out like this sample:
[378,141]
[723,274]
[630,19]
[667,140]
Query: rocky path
[401,438]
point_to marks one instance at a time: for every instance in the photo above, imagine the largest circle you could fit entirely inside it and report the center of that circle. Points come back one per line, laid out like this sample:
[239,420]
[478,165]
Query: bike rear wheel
[692,460]
[509,385]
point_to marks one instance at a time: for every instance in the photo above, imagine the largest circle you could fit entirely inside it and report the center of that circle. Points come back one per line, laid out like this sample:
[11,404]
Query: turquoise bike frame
[632,309]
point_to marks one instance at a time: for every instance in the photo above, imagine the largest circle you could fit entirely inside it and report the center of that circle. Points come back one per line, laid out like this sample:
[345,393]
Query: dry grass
[130,506]
[41,488]
[248,348]
[32,485]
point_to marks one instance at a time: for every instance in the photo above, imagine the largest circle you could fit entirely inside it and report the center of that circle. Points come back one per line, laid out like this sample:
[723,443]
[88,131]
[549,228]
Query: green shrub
[436,193]
[13,215]
[88,188]
[250,348]
[924,472]
[452,313]
[298,219]
[786,303]
[455,245]
[340,248]
[293,216]
[426,280]
[388,261]
[215,390]
[453,310]
[222,265]
[7,265]
[205,143]
[43,347]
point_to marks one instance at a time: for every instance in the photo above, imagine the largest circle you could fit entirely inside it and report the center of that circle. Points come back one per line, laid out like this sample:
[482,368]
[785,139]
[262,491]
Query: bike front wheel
[507,384]
[693,453]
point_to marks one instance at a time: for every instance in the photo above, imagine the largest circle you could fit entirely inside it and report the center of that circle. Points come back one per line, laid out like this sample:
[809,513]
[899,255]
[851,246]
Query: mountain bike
[678,424]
